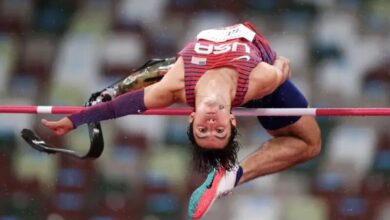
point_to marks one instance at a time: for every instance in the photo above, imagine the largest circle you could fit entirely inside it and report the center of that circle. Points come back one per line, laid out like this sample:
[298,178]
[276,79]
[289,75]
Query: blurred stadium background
[59,52]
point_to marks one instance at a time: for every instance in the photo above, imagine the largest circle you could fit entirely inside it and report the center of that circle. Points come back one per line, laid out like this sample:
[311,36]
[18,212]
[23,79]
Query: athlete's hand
[60,127]
[283,64]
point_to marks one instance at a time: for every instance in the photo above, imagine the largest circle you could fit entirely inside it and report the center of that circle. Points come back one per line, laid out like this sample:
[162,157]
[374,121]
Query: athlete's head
[212,132]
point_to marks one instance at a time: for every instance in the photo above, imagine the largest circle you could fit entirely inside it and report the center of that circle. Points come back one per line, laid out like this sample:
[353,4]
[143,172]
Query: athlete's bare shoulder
[174,81]
[174,78]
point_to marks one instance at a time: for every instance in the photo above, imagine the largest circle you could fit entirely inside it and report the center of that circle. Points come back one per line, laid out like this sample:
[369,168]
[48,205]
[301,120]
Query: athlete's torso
[228,47]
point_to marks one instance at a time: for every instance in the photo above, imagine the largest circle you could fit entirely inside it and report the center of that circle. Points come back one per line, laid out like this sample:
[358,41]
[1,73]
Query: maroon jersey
[237,46]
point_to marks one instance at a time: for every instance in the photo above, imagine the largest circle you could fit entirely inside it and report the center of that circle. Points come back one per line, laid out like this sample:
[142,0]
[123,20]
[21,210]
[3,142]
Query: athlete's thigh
[306,129]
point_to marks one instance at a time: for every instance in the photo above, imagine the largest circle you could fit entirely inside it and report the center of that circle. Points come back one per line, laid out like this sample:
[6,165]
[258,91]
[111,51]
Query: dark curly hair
[207,159]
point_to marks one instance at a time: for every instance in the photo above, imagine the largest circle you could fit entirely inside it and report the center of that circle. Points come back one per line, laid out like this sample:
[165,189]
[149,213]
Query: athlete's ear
[233,120]
[191,117]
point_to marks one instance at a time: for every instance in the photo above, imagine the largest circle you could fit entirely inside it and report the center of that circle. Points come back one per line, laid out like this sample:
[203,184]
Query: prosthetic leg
[149,73]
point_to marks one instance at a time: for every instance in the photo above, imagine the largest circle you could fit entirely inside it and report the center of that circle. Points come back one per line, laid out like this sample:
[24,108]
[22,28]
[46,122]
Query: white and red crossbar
[30,109]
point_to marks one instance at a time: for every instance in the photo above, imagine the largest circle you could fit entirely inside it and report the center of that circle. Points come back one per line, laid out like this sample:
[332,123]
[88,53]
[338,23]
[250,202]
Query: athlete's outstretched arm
[158,95]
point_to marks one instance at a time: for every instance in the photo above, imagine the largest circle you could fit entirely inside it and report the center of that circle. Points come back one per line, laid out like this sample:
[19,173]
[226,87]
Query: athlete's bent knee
[313,144]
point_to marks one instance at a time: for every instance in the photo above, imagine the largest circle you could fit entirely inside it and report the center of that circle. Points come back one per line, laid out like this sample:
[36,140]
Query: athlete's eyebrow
[220,137]
[204,137]
[200,137]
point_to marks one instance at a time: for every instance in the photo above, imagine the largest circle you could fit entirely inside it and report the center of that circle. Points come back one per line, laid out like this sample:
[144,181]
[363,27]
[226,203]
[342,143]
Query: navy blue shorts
[285,96]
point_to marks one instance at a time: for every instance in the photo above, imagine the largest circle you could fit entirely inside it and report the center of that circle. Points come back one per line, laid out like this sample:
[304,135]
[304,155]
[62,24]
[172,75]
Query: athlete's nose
[211,120]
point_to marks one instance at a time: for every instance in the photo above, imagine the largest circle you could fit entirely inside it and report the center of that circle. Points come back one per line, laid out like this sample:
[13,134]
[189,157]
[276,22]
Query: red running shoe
[218,183]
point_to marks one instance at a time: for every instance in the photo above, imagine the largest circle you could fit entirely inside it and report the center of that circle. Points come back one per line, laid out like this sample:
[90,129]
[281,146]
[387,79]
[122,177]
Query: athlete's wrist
[69,123]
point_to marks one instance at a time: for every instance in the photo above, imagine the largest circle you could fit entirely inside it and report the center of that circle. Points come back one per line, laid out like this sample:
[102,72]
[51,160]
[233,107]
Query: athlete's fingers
[50,124]
[53,126]
[286,65]
[60,127]
[60,131]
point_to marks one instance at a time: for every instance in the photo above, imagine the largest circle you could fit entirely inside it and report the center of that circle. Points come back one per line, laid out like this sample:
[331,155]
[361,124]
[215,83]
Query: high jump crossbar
[31,109]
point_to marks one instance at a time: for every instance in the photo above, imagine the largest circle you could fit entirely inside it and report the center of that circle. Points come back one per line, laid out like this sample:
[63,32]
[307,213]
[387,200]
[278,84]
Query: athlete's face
[212,125]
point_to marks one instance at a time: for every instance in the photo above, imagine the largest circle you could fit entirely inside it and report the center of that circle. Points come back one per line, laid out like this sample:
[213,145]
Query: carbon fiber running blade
[36,142]
[95,149]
